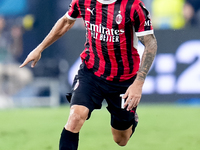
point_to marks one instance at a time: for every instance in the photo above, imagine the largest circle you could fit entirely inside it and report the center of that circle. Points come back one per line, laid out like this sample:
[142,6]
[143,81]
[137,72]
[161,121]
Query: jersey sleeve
[141,20]
[73,11]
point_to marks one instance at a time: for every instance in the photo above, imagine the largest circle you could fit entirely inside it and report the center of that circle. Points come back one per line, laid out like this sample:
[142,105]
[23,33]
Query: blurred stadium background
[173,79]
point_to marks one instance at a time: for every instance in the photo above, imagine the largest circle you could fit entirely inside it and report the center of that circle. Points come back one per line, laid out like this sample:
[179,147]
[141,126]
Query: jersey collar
[106,1]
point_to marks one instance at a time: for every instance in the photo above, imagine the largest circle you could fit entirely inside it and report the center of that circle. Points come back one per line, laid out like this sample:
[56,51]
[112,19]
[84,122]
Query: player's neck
[106,1]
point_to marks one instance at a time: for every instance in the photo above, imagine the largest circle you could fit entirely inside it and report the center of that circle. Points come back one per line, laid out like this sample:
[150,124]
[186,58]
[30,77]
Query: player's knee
[76,120]
[121,137]
[121,141]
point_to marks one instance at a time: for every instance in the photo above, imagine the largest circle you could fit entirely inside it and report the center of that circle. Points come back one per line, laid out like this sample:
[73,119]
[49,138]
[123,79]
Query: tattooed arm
[134,92]
[150,43]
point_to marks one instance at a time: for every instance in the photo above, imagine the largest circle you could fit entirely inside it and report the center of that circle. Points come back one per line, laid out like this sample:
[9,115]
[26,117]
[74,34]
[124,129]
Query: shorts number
[122,101]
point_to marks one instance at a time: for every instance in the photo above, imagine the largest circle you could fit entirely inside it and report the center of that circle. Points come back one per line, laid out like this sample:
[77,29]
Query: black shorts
[89,90]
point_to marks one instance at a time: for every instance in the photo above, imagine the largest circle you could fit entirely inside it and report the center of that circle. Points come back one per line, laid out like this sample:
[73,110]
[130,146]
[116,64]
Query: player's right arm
[59,29]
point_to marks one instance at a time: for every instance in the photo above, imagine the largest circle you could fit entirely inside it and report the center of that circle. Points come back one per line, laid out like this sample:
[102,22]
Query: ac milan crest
[118,18]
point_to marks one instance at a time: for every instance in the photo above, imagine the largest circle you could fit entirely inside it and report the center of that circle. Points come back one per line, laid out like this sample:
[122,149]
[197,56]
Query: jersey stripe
[126,38]
[75,13]
[85,55]
[117,47]
[146,15]
[111,54]
[136,21]
[101,65]
[90,60]
[129,38]
[95,64]
[82,11]
[141,16]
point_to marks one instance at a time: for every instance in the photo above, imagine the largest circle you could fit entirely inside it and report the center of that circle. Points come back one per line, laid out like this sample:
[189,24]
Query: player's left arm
[150,43]
[134,92]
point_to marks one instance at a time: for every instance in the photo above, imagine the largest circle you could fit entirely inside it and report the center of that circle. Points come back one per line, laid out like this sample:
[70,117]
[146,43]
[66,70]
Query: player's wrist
[40,48]
[139,81]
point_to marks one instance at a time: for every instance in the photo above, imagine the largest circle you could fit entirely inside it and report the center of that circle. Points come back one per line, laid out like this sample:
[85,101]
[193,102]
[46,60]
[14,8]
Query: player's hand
[34,56]
[133,95]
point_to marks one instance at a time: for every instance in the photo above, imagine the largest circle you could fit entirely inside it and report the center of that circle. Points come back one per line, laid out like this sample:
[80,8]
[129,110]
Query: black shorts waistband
[91,73]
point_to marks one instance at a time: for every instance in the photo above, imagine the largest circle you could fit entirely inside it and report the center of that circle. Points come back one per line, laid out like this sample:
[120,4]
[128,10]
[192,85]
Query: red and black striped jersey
[112,27]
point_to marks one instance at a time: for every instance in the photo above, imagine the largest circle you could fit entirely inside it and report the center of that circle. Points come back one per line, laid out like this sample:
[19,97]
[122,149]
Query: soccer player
[110,68]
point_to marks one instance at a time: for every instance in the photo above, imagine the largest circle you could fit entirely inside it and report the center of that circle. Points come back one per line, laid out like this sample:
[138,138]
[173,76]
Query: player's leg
[70,134]
[81,108]
[78,115]
[83,100]
[120,135]
[123,122]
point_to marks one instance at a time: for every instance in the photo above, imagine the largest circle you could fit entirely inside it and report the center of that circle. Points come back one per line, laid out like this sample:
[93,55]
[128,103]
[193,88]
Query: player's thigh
[121,119]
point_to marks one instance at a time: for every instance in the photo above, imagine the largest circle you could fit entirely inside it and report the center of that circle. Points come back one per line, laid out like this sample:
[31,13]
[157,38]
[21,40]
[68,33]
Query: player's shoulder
[138,5]
[84,1]
[134,4]
[78,1]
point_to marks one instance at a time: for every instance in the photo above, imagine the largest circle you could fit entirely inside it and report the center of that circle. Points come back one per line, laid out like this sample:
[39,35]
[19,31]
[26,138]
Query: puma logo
[91,11]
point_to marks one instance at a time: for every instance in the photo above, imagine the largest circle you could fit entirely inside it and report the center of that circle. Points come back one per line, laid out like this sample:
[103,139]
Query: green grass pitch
[161,127]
